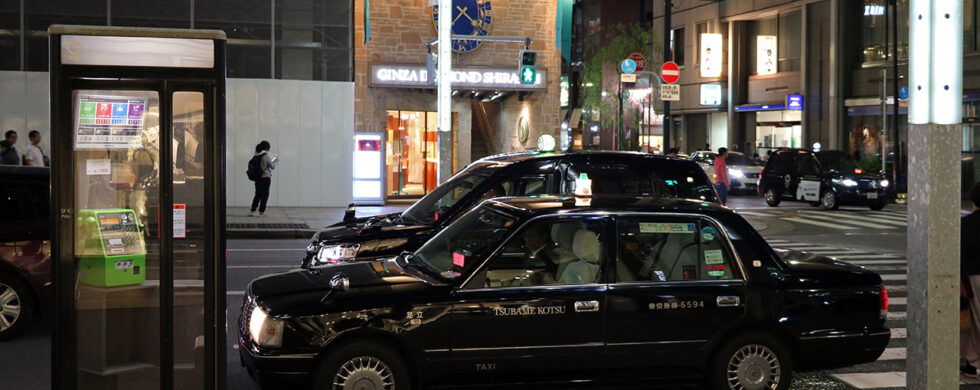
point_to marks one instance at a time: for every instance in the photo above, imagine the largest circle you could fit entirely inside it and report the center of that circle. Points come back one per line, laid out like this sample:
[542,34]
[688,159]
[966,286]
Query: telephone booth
[137,163]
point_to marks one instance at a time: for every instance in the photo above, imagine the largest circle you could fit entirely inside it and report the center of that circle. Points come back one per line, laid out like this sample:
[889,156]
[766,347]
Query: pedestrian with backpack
[260,171]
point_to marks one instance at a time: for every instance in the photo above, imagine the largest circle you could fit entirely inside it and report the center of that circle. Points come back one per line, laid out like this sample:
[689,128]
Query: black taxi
[829,179]
[513,174]
[567,291]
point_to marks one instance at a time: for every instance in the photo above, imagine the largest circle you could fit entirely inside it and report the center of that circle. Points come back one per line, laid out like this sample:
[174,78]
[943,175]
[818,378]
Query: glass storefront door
[411,152]
[778,129]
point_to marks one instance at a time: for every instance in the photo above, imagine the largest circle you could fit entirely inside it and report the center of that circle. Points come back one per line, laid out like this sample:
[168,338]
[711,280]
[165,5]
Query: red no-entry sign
[670,72]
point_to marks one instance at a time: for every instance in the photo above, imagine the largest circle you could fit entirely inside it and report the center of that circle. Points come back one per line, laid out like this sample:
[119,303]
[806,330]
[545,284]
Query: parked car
[797,174]
[25,247]
[531,291]
[514,174]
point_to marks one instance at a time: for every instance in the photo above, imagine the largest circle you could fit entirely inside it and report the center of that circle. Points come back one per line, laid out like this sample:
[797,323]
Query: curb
[268,234]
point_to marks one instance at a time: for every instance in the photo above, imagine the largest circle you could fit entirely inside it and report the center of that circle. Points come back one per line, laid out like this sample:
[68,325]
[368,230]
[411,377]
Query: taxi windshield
[461,244]
[445,196]
[840,162]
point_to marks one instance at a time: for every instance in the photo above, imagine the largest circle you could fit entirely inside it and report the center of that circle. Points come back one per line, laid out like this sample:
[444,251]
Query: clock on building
[470,17]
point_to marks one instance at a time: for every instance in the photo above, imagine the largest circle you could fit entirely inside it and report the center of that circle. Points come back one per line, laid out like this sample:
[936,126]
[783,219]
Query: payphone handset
[110,248]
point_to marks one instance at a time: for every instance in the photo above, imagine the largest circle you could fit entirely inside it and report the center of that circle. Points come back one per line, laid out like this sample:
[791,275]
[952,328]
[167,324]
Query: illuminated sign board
[368,166]
[137,51]
[766,55]
[794,102]
[711,55]
[710,94]
[416,76]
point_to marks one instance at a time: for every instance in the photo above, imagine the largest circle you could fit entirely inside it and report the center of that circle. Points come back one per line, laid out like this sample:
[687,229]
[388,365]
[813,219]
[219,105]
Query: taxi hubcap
[770,196]
[364,373]
[753,367]
[9,307]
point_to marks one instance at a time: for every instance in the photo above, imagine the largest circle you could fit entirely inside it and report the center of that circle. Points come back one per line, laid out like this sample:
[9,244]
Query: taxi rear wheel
[752,361]
[362,366]
[772,198]
[877,206]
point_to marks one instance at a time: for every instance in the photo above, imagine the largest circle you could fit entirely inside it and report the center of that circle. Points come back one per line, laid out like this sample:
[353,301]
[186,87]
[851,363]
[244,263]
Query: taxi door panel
[527,334]
[662,330]
[677,286]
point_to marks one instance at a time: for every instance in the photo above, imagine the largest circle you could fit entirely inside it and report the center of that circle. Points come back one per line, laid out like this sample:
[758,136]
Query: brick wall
[400,28]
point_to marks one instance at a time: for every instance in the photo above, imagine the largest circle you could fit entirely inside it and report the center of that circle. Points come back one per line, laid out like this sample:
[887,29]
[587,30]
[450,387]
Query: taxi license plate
[872,195]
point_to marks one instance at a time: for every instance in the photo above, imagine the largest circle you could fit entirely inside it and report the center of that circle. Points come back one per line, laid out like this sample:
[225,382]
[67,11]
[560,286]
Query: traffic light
[527,71]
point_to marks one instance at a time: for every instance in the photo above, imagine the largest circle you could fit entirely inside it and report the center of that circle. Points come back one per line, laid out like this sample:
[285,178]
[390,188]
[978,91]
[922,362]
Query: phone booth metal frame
[91,60]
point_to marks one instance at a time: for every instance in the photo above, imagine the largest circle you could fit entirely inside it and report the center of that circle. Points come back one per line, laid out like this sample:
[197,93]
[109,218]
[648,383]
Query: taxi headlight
[849,183]
[736,173]
[265,331]
[340,253]
[884,184]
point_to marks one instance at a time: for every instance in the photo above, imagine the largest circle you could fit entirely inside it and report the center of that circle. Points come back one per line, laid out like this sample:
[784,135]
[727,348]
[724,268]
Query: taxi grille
[752,175]
[248,304]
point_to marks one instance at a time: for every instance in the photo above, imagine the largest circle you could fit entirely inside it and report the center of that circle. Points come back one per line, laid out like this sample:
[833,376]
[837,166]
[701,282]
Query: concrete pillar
[935,137]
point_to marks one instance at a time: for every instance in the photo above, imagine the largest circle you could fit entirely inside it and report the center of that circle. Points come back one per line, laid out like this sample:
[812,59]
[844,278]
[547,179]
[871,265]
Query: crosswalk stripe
[893,354]
[754,213]
[899,333]
[899,218]
[850,220]
[776,241]
[897,301]
[873,380]
[894,277]
[880,268]
[818,223]
[876,256]
[888,221]
[805,248]
[898,288]
[898,315]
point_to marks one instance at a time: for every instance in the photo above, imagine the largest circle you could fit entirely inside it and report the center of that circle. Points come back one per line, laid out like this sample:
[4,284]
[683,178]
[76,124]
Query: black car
[829,179]
[515,174]
[564,291]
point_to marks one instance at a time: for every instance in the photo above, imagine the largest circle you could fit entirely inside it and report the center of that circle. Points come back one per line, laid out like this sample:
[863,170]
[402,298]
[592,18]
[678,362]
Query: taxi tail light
[858,171]
[883,305]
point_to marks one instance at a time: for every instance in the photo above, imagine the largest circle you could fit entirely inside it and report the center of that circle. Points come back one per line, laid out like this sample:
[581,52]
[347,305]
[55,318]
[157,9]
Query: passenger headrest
[586,246]
[563,234]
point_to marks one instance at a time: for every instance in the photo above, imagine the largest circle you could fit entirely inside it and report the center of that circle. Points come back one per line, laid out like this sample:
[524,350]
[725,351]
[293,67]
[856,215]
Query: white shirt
[34,156]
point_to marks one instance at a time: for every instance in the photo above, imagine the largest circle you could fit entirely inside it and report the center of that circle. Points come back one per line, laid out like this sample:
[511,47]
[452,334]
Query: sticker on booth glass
[98,166]
[450,274]
[714,256]
[459,259]
[660,274]
[708,234]
[655,227]
[716,273]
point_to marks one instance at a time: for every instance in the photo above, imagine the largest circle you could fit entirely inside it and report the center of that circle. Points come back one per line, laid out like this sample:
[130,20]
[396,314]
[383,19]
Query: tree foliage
[601,69]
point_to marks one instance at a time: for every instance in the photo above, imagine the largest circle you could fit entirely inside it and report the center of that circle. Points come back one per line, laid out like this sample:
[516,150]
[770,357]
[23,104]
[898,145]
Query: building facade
[290,81]
[492,111]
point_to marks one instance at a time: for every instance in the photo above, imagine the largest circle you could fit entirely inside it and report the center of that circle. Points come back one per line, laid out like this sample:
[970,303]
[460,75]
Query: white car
[743,172]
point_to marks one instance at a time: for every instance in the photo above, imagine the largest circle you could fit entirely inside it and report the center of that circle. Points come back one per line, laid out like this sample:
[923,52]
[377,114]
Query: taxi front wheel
[772,199]
[752,361]
[362,366]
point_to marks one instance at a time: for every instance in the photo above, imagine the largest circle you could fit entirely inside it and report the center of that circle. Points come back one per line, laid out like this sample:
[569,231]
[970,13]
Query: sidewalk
[294,222]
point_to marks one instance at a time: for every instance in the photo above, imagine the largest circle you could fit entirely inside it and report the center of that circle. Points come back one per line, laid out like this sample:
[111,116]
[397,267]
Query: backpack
[254,171]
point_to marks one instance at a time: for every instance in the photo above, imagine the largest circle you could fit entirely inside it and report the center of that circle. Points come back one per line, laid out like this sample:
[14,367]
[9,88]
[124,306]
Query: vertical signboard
[368,157]
[711,55]
[766,55]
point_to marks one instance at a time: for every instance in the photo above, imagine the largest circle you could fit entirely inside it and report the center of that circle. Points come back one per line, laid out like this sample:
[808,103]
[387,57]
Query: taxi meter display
[111,248]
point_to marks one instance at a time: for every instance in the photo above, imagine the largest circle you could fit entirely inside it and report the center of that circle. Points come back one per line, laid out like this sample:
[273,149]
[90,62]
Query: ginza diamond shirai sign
[415,76]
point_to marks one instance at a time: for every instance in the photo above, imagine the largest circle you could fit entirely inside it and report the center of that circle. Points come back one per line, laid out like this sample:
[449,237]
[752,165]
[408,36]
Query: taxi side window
[807,165]
[548,252]
[667,250]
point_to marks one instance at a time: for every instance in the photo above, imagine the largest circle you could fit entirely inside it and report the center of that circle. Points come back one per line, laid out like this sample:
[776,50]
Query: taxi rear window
[663,178]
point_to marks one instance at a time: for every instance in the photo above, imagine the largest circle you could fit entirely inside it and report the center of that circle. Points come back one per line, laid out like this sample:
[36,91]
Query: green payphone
[111,248]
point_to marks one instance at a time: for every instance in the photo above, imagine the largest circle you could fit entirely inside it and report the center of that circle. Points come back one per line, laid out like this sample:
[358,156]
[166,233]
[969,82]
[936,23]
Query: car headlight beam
[736,173]
[849,183]
[265,331]
[884,184]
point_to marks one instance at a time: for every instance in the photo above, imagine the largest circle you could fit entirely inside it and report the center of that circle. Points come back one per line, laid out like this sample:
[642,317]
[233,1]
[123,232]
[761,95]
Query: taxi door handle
[586,306]
[728,301]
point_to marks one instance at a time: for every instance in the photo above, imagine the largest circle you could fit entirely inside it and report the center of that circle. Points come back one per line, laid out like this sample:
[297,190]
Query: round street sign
[670,72]
[641,61]
[627,66]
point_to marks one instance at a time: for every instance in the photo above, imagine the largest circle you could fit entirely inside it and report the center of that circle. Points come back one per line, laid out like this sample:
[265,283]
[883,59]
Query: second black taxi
[568,291]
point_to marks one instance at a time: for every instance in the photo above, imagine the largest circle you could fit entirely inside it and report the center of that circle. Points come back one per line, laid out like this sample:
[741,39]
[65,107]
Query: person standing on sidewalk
[263,183]
[969,269]
[721,176]
[33,156]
